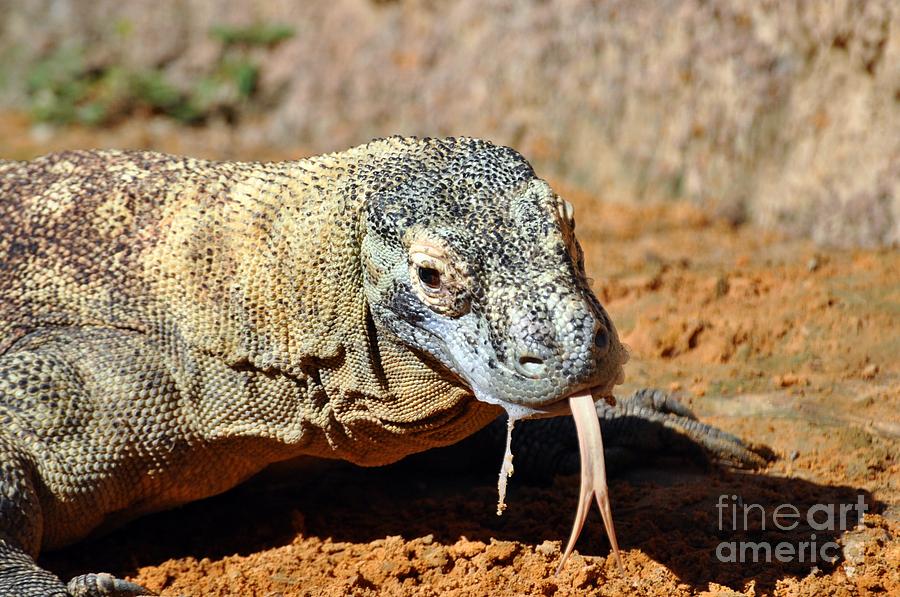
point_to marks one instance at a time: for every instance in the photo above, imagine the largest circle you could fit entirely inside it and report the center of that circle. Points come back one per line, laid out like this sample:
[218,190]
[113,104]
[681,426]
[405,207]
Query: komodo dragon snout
[471,259]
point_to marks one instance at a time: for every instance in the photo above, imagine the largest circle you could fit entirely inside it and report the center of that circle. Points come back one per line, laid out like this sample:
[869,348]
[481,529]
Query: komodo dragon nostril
[530,365]
[601,340]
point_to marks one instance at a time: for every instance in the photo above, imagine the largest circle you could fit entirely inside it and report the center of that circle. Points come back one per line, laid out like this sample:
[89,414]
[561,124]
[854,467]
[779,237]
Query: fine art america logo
[739,517]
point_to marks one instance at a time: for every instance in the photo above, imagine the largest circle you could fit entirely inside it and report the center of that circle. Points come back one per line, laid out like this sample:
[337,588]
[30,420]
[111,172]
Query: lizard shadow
[678,516]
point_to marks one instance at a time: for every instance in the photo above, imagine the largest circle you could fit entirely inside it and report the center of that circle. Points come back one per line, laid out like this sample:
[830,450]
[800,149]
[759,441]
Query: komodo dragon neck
[259,264]
[262,266]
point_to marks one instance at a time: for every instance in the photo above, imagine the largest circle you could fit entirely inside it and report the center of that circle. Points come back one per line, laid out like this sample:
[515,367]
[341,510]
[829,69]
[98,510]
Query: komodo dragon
[170,326]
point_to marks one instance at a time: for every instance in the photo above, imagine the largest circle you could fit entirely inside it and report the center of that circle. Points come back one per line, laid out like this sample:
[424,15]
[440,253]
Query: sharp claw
[124,587]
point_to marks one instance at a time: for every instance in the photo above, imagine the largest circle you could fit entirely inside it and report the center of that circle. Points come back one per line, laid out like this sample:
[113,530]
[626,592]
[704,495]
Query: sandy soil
[781,342]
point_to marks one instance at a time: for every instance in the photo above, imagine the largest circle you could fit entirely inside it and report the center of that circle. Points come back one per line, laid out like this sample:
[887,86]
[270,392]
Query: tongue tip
[615,554]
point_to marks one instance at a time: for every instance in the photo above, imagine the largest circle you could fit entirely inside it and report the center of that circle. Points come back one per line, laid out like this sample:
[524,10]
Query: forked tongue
[593,473]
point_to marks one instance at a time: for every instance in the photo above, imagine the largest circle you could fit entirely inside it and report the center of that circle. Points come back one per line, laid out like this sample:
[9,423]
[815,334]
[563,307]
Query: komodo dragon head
[471,259]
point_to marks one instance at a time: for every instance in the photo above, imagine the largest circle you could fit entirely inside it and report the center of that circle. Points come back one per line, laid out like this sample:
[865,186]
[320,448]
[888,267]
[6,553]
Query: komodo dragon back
[233,254]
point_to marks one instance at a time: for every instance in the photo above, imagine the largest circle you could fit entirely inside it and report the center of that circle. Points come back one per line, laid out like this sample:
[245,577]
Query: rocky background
[783,113]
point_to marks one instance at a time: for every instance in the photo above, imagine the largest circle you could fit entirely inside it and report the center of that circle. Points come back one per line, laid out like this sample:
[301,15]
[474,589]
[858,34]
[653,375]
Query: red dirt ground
[776,340]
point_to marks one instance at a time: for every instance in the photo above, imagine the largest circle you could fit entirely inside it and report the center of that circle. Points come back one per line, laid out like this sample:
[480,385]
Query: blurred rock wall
[783,112]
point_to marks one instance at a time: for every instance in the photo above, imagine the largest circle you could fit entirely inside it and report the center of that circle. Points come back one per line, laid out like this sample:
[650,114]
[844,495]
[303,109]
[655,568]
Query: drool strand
[506,470]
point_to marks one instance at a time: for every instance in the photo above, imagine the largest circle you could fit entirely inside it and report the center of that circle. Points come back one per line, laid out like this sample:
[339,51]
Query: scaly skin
[171,326]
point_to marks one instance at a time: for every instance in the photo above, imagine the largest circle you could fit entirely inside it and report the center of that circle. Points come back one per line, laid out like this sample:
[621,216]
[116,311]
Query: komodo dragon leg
[57,438]
[651,420]
[638,428]
[21,523]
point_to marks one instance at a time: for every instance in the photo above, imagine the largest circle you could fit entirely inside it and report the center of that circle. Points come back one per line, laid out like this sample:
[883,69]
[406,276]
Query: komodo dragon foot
[21,577]
[644,426]
[647,424]
[651,420]
[104,585]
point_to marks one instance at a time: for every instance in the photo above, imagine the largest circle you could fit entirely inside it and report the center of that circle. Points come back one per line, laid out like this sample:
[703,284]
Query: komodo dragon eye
[430,277]
[439,279]
[429,268]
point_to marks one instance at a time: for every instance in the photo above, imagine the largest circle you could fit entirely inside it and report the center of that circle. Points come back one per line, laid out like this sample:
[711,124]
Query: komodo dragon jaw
[473,260]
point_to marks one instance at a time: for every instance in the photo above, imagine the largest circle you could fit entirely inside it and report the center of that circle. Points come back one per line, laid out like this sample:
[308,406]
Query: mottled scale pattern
[170,326]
